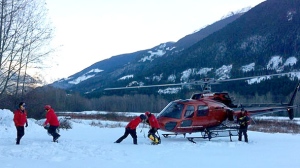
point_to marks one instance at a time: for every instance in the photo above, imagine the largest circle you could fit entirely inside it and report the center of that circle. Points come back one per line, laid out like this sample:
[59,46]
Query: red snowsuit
[134,123]
[153,121]
[131,129]
[154,127]
[20,117]
[51,118]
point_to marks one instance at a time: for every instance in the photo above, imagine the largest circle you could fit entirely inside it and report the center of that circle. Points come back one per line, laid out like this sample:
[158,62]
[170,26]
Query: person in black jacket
[243,121]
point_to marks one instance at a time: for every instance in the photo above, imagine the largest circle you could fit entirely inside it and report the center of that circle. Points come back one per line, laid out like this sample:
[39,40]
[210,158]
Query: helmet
[147,113]
[47,107]
[143,117]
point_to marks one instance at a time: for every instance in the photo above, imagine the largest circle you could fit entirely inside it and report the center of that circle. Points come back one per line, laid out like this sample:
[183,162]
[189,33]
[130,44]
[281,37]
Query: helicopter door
[188,115]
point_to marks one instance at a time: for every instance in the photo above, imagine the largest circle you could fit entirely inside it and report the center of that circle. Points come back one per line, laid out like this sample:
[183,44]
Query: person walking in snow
[243,120]
[154,126]
[131,129]
[51,122]
[20,119]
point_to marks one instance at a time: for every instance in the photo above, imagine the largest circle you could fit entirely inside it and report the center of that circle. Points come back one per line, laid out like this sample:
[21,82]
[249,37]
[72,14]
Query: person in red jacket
[20,119]
[52,121]
[131,129]
[154,126]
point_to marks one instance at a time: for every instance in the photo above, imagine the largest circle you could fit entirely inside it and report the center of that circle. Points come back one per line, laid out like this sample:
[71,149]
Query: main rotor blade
[251,77]
[206,81]
[147,86]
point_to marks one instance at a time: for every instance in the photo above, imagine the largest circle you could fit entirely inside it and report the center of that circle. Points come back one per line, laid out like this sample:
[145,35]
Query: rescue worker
[154,126]
[52,121]
[20,119]
[243,120]
[131,129]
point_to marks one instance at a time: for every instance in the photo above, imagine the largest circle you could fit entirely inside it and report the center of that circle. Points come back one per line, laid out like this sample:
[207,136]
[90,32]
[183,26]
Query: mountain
[116,63]
[264,39]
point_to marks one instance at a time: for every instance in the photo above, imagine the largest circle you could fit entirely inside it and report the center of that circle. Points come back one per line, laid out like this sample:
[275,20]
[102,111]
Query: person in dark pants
[131,129]
[20,119]
[243,121]
[154,126]
[53,122]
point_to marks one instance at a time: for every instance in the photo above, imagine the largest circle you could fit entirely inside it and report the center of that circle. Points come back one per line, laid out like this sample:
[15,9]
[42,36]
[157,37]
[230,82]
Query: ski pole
[142,126]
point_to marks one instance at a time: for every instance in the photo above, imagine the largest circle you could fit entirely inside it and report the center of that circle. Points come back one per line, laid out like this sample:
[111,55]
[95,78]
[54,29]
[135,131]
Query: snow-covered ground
[87,146]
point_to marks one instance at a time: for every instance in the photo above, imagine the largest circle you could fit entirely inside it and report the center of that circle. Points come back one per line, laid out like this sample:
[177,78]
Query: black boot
[56,138]
[240,138]
[246,138]
[119,140]
[135,141]
[18,141]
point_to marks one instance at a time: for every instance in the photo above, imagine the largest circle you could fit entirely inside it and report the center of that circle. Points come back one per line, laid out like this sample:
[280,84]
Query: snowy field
[87,146]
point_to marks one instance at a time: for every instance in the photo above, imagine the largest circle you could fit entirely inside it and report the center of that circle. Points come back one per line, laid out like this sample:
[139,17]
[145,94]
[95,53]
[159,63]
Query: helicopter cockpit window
[202,110]
[173,110]
[189,112]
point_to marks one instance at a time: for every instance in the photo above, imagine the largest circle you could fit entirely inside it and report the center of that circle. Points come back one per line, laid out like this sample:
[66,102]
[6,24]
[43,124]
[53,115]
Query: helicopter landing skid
[209,134]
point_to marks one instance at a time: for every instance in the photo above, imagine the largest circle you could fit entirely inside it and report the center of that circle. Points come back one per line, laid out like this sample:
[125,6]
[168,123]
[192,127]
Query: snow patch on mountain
[157,78]
[240,11]
[158,52]
[169,90]
[85,76]
[257,80]
[290,61]
[277,64]
[224,72]
[135,83]
[290,14]
[274,62]
[186,75]
[172,78]
[126,77]
[249,67]
[204,71]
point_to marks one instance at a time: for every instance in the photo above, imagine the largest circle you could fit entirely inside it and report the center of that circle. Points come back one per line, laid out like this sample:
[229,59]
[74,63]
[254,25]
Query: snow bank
[6,118]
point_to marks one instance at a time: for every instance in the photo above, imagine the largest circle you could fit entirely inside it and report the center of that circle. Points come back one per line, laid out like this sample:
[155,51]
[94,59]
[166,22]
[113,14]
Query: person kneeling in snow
[154,126]
[131,129]
[52,120]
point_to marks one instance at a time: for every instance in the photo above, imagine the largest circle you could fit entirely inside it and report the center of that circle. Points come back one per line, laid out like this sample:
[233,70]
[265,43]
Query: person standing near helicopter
[131,129]
[243,120]
[154,126]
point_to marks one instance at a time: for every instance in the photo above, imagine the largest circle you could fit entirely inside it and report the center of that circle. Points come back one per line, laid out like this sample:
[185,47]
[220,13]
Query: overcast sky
[93,30]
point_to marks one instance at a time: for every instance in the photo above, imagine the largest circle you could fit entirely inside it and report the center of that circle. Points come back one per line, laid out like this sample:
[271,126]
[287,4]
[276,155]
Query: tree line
[62,101]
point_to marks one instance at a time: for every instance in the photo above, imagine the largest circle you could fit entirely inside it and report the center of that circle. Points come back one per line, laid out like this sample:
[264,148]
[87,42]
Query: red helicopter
[209,112]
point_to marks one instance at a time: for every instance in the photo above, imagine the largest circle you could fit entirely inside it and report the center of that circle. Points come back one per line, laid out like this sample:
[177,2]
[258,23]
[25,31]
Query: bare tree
[24,37]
